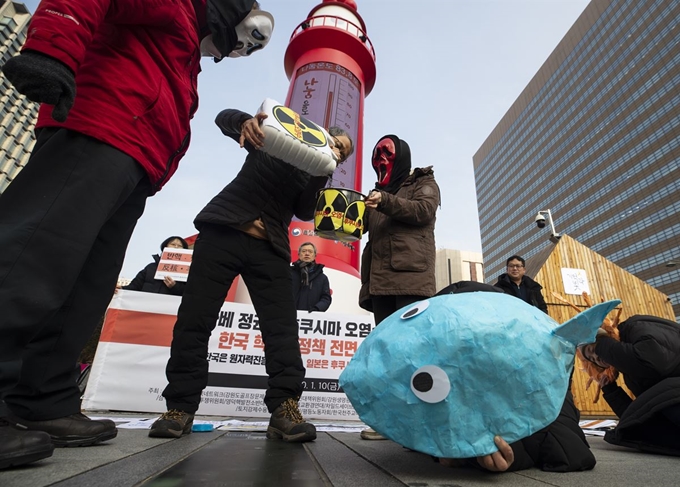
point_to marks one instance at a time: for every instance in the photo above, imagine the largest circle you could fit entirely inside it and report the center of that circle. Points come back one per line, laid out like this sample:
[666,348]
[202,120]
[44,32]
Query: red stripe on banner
[138,328]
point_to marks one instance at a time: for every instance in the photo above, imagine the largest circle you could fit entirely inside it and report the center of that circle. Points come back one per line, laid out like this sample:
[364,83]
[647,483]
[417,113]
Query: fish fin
[583,327]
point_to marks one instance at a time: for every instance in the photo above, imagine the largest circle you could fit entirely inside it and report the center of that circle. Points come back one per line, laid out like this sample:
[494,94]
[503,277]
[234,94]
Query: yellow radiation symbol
[353,222]
[330,210]
[299,127]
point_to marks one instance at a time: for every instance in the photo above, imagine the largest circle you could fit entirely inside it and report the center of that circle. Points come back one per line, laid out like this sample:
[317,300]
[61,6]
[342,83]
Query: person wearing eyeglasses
[514,282]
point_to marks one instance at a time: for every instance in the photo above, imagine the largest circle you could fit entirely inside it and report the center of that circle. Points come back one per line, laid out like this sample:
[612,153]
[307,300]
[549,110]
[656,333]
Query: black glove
[43,79]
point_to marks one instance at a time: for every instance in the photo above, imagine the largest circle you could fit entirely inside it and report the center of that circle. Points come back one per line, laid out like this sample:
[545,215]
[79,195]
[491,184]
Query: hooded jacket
[136,65]
[265,188]
[534,294]
[648,356]
[316,296]
[399,257]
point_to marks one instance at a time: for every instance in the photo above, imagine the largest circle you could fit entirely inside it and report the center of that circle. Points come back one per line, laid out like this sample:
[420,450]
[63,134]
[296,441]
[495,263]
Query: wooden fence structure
[605,281]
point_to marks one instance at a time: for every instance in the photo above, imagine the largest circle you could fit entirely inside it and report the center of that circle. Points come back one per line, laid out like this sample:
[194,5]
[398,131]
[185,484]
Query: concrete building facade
[457,265]
[595,137]
[17,114]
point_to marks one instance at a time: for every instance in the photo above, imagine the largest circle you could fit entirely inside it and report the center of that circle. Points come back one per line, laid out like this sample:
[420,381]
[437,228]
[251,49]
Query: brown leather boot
[288,424]
[172,424]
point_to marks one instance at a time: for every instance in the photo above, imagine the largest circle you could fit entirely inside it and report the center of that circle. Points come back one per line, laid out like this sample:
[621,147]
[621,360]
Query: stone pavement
[223,458]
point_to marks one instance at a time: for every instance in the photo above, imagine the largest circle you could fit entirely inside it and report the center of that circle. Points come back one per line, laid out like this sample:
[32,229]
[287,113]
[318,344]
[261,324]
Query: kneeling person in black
[559,447]
[244,230]
[648,356]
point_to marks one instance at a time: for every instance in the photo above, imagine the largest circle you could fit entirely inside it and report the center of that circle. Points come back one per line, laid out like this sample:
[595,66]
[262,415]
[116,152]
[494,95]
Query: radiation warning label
[299,127]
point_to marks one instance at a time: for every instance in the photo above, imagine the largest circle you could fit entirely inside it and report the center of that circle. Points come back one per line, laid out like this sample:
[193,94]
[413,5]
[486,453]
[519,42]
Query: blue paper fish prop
[446,374]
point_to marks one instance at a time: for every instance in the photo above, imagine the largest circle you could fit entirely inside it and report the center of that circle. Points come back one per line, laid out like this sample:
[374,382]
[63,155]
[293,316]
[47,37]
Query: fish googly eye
[415,310]
[430,384]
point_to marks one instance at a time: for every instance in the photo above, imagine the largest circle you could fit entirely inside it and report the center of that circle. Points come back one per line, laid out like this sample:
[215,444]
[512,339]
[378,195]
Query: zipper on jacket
[168,165]
[182,147]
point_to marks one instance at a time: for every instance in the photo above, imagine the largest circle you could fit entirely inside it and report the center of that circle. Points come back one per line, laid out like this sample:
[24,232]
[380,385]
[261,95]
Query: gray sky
[447,73]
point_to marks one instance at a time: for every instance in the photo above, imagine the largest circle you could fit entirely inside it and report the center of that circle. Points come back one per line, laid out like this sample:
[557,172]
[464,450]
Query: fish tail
[583,327]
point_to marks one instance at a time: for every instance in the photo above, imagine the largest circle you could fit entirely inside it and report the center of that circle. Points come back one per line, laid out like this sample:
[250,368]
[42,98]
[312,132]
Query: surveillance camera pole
[554,236]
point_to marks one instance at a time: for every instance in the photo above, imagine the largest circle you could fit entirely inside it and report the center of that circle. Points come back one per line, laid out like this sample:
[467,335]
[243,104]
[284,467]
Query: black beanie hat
[170,239]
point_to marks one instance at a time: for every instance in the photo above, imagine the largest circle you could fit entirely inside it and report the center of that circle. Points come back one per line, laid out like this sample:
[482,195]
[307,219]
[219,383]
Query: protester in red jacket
[117,83]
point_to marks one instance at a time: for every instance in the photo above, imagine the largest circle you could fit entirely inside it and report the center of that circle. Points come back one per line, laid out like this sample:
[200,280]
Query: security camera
[540,221]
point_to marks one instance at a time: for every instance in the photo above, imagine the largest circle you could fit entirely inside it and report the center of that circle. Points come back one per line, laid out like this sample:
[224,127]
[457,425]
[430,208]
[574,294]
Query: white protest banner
[128,373]
[174,263]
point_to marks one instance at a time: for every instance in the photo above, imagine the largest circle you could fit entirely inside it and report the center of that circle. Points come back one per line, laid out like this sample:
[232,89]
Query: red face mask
[383,158]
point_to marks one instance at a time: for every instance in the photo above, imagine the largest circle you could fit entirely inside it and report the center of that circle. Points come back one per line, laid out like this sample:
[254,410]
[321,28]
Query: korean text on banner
[129,369]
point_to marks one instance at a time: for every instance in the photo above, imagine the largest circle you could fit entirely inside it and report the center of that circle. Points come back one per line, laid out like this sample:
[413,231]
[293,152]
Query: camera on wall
[540,221]
[544,218]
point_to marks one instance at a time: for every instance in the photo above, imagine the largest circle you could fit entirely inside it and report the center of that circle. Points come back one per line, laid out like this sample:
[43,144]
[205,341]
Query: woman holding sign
[145,280]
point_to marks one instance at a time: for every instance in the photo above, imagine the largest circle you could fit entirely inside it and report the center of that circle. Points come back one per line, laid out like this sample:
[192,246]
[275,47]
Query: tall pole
[331,66]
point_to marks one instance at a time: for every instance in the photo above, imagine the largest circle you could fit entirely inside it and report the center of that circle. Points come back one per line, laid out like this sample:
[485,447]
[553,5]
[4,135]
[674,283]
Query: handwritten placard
[575,281]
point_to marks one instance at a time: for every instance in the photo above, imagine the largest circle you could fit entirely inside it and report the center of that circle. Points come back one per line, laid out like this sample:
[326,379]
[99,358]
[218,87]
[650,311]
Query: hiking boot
[74,430]
[371,434]
[288,424]
[20,447]
[172,424]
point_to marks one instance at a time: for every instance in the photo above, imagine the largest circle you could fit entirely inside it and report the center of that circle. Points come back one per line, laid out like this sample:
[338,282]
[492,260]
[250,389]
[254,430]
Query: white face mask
[209,49]
[253,33]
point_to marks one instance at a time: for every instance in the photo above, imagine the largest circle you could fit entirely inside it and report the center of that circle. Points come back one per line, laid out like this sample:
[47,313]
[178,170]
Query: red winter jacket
[136,65]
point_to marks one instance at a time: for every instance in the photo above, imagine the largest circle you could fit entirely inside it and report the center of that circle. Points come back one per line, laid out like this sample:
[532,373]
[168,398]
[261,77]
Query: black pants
[220,254]
[383,306]
[65,223]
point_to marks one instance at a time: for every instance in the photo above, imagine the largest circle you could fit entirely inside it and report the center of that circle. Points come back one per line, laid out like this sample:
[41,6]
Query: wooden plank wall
[606,281]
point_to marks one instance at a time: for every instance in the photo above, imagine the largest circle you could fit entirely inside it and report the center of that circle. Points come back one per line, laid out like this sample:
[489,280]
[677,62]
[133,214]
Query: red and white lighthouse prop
[331,66]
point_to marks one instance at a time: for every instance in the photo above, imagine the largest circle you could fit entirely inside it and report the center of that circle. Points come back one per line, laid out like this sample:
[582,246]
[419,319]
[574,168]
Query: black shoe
[74,430]
[172,424]
[288,424]
[21,447]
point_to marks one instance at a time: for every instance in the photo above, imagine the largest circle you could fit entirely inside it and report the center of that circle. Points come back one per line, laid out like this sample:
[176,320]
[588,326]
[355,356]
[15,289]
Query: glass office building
[595,138]
[17,114]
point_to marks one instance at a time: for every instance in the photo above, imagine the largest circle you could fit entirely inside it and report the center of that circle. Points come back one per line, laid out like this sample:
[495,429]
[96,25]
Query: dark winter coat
[316,296]
[399,257]
[144,281]
[648,356]
[265,188]
[534,295]
[559,447]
